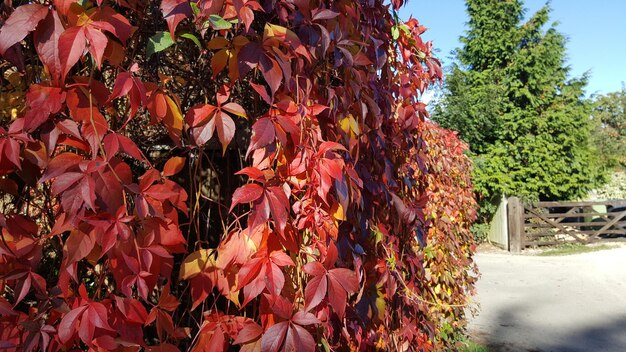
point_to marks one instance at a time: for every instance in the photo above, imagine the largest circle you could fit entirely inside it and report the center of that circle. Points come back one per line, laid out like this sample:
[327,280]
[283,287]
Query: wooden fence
[498,226]
[549,223]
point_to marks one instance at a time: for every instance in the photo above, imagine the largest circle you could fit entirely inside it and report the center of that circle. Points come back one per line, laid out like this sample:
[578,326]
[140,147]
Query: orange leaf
[173,120]
[173,166]
[219,61]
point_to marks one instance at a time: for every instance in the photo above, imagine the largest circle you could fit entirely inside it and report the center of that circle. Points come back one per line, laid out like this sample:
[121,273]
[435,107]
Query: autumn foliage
[448,267]
[208,175]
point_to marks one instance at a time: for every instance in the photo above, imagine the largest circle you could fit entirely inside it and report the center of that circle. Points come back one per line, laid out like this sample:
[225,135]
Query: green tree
[510,98]
[609,133]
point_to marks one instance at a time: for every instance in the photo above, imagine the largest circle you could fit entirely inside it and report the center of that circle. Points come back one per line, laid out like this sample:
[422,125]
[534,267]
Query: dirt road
[568,303]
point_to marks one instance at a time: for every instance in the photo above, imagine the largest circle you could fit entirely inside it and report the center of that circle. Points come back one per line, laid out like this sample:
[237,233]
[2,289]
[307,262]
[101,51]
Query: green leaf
[395,33]
[193,38]
[325,344]
[217,22]
[159,42]
[378,235]
[194,8]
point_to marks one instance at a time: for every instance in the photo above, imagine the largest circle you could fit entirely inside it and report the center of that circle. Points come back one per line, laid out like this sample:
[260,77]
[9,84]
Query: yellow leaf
[196,263]
[349,125]
[173,120]
[354,126]
[272,30]
[230,283]
[380,303]
[83,20]
[345,124]
[338,212]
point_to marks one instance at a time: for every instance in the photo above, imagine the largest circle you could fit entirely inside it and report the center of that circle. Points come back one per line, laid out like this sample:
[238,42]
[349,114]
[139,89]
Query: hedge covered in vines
[215,175]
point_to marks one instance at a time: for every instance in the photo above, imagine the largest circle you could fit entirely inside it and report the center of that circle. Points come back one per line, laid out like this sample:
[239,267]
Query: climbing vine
[211,174]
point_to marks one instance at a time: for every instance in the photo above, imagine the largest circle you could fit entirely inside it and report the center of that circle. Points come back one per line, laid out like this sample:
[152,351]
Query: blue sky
[596,32]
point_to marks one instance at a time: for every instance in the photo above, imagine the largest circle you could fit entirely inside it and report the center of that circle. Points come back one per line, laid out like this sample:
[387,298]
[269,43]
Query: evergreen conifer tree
[510,98]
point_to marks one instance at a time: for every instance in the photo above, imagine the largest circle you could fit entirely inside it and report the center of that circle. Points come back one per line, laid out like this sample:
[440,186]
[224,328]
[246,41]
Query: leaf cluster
[217,175]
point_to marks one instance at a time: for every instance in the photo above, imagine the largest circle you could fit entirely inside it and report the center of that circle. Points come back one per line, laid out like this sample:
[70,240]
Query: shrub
[211,174]
[449,272]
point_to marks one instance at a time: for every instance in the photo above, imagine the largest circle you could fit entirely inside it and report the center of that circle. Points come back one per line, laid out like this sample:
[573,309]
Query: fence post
[516,224]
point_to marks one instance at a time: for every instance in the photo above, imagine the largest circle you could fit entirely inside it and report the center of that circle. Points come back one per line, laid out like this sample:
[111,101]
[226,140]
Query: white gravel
[565,303]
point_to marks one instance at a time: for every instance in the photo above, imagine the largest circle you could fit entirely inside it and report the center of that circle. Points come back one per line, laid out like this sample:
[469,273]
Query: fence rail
[549,223]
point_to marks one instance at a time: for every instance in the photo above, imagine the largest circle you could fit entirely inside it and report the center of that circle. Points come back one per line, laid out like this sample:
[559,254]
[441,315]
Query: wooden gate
[549,223]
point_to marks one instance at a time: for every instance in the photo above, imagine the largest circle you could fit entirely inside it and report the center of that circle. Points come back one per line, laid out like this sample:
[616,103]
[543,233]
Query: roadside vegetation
[472,346]
[575,248]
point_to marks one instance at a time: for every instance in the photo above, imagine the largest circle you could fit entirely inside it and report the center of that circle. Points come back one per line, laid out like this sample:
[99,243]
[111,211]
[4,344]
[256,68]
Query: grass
[471,346]
[574,248]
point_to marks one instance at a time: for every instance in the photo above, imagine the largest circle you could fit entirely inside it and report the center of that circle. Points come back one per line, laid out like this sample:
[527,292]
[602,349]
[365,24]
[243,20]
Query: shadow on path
[552,304]
[510,332]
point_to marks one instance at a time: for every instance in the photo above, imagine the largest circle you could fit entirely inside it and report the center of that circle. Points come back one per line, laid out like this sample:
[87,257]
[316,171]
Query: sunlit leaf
[159,42]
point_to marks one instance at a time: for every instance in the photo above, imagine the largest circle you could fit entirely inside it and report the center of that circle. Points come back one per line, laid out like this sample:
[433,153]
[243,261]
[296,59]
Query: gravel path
[543,304]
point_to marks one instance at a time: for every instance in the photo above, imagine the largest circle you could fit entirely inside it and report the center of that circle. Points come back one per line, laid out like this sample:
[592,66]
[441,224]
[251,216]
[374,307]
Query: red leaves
[199,116]
[71,47]
[9,154]
[263,272]
[77,246]
[263,133]
[22,21]
[163,108]
[120,26]
[26,280]
[246,194]
[157,199]
[290,335]
[161,313]
[127,84]
[72,44]
[42,101]
[336,143]
[89,34]
[252,56]
[335,283]
[265,201]
[114,143]
[175,11]
[89,319]
[133,311]
[271,72]
[77,188]
[268,58]
[47,45]
[112,229]
[217,328]
[276,125]
[205,119]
